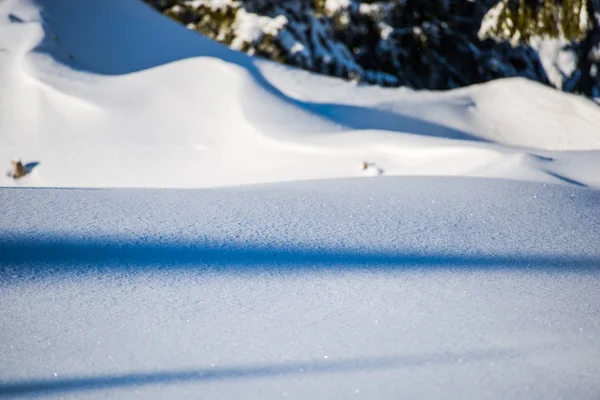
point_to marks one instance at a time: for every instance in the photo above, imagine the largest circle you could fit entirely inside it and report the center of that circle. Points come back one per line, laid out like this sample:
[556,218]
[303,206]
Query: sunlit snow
[196,223]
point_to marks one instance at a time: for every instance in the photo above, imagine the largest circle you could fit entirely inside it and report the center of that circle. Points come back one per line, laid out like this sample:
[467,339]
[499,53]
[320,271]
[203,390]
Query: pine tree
[521,20]
[425,44]
[575,22]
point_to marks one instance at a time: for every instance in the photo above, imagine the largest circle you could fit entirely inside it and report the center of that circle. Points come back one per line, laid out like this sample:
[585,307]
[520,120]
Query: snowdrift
[444,285]
[112,94]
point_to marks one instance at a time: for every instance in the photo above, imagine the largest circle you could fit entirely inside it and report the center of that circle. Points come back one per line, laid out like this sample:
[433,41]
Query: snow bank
[97,93]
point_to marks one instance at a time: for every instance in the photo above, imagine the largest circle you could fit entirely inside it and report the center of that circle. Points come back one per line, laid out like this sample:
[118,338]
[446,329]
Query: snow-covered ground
[379,288]
[464,262]
[112,94]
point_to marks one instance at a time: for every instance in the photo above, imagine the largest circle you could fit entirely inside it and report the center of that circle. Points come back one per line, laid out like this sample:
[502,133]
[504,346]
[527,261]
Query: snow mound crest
[113,94]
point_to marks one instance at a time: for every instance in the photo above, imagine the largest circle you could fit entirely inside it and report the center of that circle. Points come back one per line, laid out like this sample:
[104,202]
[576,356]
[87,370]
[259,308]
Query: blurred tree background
[423,44]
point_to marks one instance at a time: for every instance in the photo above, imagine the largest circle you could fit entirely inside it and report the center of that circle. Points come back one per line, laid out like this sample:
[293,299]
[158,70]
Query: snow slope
[437,288]
[448,286]
[112,94]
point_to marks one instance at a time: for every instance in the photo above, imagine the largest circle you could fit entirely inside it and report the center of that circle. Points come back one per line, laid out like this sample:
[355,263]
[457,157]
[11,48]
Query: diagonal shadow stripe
[53,386]
[111,253]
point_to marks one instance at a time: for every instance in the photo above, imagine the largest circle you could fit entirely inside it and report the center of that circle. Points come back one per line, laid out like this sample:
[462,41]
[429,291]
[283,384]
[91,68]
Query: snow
[199,223]
[559,62]
[432,287]
[490,22]
[147,103]
[249,28]
[333,6]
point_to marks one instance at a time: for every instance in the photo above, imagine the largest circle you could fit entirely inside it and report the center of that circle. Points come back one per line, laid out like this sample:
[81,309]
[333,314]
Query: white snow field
[377,288]
[196,224]
[112,94]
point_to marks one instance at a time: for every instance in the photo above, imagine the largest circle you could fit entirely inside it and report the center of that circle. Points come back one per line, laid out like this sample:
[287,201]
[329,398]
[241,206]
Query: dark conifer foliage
[424,44]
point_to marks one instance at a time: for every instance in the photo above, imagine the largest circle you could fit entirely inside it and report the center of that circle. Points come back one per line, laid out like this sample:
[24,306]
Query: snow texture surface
[426,245]
[417,287]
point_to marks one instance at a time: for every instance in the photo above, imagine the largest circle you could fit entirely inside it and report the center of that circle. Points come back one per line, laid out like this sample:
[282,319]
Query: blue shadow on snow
[79,255]
[89,383]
